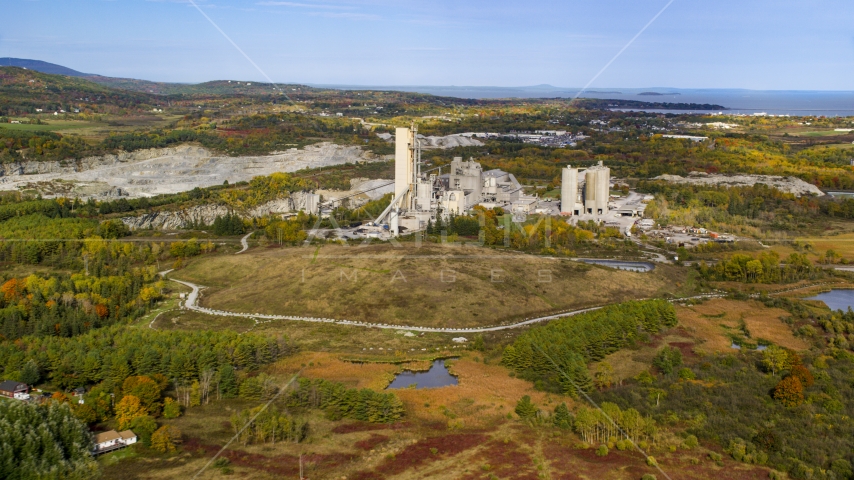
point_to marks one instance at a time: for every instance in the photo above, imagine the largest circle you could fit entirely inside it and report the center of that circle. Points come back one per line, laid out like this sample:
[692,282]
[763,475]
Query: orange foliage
[789,391]
[10,289]
[102,310]
[801,373]
[59,397]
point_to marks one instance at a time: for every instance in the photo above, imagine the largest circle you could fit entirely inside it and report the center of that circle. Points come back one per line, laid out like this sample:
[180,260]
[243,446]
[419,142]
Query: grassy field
[715,322]
[428,286]
[51,126]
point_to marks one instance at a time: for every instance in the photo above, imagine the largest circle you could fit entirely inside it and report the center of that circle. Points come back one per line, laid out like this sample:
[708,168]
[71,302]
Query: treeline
[341,402]
[264,424]
[555,356]
[230,224]
[67,305]
[111,355]
[44,442]
[766,268]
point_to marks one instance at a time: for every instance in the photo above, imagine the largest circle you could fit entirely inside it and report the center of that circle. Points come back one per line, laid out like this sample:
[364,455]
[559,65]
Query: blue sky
[759,44]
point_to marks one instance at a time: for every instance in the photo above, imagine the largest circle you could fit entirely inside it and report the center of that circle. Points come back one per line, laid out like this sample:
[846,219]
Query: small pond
[839,299]
[620,264]
[437,376]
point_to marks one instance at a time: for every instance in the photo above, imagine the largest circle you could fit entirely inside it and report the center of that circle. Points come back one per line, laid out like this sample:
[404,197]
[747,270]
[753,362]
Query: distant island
[657,93]
[603,104]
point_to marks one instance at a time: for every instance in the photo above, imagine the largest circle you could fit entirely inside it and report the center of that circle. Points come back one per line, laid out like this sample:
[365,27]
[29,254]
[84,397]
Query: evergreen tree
[45,442]
[562,418]
[30,373]
[227,381]
[526,409]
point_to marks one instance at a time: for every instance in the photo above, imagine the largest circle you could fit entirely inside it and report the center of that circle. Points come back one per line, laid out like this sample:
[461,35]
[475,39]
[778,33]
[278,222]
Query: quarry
[792,185]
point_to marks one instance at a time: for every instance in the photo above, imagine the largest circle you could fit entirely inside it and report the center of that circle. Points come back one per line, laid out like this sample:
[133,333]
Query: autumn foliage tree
[166,439]
[129,408]
[790,391]
[801,373]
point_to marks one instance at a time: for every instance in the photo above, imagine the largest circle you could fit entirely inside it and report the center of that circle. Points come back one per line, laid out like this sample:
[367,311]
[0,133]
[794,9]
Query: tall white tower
[568,190]
[404,164]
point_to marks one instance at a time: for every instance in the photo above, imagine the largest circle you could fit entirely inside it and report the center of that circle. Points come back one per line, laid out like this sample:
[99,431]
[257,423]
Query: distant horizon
[763,45]
[346,85]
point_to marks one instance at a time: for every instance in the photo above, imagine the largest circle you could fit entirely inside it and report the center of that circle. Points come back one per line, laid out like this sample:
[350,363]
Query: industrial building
[594,185]
[422,196]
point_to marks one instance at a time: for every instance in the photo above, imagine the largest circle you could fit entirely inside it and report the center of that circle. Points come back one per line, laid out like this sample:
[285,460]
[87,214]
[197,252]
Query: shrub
[650,460]
[602,451]
[691,441]
[166,439]
[667,359]
[648,476]
[171,408]
[686,374]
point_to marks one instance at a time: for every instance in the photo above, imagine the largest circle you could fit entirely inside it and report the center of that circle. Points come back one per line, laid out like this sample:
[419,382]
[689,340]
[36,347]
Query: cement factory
[421,196]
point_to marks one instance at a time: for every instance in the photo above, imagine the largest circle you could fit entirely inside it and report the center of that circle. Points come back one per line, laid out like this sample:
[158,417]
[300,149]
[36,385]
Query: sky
[753,44]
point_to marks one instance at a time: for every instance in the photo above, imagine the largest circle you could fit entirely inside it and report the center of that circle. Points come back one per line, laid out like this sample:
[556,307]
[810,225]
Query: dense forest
[555,356]
[44,442]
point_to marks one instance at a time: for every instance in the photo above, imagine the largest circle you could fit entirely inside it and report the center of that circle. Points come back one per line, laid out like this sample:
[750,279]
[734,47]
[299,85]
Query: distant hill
[40,66]
[25,91]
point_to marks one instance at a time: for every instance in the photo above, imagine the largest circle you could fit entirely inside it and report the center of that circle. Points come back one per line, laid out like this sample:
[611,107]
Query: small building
[113,440]
[17,390]
[107,441]
[128,437]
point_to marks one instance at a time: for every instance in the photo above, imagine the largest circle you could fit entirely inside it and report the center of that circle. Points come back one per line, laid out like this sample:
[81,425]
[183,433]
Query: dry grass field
[459,432]
[714,320]
[429,286]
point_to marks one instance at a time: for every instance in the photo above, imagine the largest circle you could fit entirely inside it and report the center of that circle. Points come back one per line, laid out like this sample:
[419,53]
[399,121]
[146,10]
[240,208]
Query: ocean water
[772,102]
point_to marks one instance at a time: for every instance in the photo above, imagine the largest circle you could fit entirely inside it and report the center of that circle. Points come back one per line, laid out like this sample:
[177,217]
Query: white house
[113,440]
[128,437]
[105,441]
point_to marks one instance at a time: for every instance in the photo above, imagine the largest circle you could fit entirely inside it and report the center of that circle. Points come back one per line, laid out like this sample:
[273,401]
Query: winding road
[244,241]
[192,304]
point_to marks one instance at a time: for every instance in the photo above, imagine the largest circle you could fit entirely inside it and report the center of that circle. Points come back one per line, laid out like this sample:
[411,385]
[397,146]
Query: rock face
[206,214]
[792,185]
[176,169]
[446,141]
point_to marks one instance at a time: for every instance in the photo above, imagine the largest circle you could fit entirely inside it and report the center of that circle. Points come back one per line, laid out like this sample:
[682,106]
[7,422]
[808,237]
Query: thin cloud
[350,15]
[304,5]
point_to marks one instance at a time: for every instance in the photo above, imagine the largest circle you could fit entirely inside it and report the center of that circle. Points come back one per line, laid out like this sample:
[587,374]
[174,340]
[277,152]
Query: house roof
[107,436]
[11,385]
[127,434]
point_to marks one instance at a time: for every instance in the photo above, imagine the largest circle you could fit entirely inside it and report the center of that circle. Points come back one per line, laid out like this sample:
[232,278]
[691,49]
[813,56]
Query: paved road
[193,297]
[245,243]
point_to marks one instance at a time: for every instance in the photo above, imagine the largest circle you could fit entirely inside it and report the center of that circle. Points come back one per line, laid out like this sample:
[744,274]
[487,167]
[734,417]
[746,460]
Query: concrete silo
[597,189]
[568,190]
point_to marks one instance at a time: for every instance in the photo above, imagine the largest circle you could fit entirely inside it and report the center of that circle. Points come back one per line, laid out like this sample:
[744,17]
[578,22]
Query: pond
[620,264]
[437,376]
[839,299]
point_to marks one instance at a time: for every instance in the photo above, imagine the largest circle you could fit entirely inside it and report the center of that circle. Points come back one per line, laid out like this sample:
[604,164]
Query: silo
[603,184]
[568,190]
[590,204]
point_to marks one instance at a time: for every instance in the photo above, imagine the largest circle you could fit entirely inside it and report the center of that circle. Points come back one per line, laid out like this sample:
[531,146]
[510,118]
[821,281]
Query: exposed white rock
[792,185]
[170,170]
[206,214]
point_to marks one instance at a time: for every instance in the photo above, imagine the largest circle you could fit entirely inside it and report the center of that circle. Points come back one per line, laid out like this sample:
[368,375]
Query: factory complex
[423,196]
